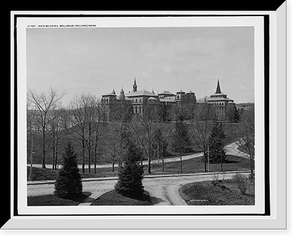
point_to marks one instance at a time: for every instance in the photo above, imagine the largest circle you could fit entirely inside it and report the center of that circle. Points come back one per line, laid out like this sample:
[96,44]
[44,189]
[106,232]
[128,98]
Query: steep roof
[221,98]
[166,93]
[218,90]
[218,95]
[141,93]
[110,94]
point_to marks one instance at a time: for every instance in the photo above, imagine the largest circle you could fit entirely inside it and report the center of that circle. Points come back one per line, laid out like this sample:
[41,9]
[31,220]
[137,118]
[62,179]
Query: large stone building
[165,103]
[223,106]
[140,100]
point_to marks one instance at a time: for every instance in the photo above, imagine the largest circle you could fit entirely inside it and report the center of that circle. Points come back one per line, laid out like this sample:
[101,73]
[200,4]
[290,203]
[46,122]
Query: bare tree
[160,146]
[57,131]
[31,121]
[247,134]
[88,128]
[201,127]
[44,103]
[122,114]
[99,128]
[144,127]
[79,119]
[181,139]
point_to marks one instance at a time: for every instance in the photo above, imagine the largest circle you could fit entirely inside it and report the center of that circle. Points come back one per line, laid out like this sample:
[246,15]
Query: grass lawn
[41,174]
[189,166]
[196,165]
[114,198]
[217,193]
[52,200]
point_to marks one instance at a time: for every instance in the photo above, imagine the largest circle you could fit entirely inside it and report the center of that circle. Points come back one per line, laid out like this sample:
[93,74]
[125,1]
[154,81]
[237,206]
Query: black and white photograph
[139,116]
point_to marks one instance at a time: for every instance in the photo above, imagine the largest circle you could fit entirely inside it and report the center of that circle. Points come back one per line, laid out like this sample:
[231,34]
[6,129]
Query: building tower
[134,86]
[221,103]
[218,90]
[122,95]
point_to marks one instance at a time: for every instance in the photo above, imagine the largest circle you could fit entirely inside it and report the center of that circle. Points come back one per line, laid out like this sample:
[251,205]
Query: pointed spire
[134,85]
[113,92]
[218,90]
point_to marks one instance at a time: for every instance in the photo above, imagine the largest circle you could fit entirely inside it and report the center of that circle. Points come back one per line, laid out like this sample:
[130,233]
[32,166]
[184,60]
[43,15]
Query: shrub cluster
[241,182]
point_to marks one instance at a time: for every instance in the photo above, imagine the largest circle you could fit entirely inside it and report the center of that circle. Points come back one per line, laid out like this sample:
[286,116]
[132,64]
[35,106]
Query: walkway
[163,189]
[231,149]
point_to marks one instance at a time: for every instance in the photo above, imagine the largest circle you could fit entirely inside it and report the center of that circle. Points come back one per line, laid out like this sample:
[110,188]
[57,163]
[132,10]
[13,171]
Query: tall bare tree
[44,103]
[99,128]
[144,126]
[247,134]
[57,131]
[181,139]
[160,146]
[88,128]
[79,118]
[31,122]
[201,126]
[122,115]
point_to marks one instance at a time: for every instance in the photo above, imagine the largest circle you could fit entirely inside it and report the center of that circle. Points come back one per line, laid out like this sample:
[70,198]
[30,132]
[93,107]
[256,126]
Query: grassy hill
[107,142]
[194,165]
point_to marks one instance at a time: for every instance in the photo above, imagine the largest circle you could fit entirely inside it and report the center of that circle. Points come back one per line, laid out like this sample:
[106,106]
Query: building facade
[166,104]
[222,106]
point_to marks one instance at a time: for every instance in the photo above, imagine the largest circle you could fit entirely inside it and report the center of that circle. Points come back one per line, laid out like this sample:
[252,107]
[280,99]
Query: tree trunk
[56,156]
[43,149]
[31,154]
[89,146]
[221,161]
[53,158]
[181,165]
[83,159]
[149,165]
[95,158]
[53,154]
[205,159]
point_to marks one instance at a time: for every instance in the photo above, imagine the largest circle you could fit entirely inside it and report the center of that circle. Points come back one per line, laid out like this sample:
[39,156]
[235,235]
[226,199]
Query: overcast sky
[96,60]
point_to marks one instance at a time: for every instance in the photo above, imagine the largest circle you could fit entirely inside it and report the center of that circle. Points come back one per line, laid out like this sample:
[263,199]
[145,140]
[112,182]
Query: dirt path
[164,190]
[231,149]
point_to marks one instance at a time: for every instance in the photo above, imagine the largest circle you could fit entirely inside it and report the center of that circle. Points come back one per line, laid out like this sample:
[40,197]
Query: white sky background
[96,60]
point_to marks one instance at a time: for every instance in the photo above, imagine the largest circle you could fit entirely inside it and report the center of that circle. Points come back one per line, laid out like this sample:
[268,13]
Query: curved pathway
[231,149]
[164,190]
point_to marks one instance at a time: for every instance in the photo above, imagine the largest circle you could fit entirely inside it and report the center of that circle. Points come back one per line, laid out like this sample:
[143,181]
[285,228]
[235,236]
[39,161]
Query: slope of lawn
[217,192]
[195,165]
[114,198]
[52,200]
